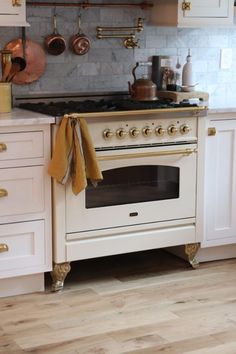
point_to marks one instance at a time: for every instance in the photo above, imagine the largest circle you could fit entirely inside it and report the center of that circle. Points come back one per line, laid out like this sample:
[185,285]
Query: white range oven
[147,198]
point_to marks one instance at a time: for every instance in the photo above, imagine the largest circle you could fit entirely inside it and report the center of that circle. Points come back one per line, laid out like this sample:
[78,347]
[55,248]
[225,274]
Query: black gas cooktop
[57,109]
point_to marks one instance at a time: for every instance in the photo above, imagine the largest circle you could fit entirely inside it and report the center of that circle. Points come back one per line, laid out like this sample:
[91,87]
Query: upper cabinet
[13,13]
[193,13]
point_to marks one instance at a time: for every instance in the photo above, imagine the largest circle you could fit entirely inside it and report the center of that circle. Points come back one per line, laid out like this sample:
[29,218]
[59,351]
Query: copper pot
[79,43]
[55,44]
[142,89]
[31,55]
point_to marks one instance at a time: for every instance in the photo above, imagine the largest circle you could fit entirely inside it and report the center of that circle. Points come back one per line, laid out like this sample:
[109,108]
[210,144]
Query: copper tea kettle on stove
[142,89]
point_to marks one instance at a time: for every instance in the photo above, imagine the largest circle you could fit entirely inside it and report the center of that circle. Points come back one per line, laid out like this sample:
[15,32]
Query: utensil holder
[5,97]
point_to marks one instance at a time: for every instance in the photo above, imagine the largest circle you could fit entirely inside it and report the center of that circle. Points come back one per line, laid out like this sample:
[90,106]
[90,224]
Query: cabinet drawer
[21,190]
[22,145]
[23,248]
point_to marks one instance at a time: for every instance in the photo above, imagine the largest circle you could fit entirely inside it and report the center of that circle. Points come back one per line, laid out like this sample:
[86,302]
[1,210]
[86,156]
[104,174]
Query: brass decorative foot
[58,274]
[191,251]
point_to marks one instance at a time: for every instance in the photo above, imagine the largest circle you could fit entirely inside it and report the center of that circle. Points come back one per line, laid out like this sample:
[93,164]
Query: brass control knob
[160,131]
[107,134]
[147,131]
[134,132]
[184,129]
[121,133]
[172,130]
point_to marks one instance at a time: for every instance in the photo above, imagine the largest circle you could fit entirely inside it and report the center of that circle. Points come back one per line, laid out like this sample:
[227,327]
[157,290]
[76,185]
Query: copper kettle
[142,89]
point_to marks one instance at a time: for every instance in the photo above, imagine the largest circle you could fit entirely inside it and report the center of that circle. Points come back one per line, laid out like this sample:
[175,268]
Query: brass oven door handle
[3,193]
[3,247]
[3,147]
[184,152]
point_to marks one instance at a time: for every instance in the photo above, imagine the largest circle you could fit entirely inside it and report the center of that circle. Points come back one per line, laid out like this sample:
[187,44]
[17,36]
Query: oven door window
[134,184]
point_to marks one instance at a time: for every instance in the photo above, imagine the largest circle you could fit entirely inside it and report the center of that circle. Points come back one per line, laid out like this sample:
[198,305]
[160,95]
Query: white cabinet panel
[25,204]
[25,243]
[13,13]
[16,146]
[25,190]
[193,13]
[220,184]
[210,8]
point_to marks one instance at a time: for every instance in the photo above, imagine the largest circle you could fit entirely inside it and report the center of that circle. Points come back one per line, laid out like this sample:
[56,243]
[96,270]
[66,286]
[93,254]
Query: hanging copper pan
[55,44]
[79,43]
[35,58]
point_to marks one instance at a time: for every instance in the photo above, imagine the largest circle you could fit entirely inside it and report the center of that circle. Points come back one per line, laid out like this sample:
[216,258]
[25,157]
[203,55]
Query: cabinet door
[220,186]
[10,7]
[13,13]
[203,8]
[21,191]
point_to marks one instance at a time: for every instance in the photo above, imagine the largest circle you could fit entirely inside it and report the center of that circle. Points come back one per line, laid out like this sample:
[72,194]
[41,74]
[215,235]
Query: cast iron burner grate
[57,109]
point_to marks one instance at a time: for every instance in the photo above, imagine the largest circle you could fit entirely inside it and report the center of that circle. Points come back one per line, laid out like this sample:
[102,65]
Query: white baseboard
[21,285]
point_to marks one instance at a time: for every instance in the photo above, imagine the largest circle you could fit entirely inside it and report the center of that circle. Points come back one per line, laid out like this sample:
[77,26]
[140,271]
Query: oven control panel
[117,132]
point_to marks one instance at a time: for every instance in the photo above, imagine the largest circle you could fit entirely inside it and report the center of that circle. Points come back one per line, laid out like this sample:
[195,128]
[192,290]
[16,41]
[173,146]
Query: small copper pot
[55,44]
[79,43]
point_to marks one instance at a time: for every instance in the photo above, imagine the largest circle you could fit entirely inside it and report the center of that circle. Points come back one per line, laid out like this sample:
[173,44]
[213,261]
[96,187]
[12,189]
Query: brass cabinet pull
[211,131]
[3,248]
[3,193]
[186,6]
[16,3]
[3,147]
[185,152]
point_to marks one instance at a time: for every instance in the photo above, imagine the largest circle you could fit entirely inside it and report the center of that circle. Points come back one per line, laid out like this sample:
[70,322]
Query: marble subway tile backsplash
[108,64]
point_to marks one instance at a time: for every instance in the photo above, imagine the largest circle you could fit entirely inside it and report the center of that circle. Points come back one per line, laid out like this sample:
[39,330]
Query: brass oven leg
[58,274]
[191,251]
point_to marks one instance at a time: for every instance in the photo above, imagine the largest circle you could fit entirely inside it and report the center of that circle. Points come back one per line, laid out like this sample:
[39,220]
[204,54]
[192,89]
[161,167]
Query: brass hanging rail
[87,4]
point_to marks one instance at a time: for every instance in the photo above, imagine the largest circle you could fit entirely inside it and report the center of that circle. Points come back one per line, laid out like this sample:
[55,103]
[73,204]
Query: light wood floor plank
[150,302]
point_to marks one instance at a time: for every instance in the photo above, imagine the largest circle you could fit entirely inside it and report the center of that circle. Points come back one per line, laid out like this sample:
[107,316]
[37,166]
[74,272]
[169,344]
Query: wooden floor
[150,302]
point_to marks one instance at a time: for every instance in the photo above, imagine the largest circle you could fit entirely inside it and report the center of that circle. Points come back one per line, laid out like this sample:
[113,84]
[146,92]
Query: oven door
[140,186]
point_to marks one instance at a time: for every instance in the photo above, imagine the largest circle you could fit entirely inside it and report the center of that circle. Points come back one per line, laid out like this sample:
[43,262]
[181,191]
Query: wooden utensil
[18,64]
[6,64]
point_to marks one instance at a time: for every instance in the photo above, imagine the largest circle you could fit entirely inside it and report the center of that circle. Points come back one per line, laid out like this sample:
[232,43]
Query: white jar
[187,74]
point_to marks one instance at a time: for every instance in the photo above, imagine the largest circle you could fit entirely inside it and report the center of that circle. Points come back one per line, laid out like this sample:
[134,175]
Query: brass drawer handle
[3,248]
[3,193]
[186,6]
[211,131]
[16,3]
[3,147]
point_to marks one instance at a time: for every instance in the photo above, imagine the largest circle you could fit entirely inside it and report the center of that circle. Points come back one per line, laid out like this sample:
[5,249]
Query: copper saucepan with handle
[55,43]
[79,43]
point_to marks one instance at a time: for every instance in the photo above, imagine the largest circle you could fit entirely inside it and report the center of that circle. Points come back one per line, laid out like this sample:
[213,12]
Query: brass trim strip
[184,152]
[3,147]
[194,111]
[3,193]
[3,248]
[118,35]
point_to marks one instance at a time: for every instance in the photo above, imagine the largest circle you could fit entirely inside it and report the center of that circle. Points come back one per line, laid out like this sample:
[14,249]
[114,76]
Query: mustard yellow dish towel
[72,157]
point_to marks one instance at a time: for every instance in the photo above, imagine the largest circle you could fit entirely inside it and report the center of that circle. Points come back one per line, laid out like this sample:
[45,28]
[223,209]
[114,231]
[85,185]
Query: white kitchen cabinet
[13,13]
[193,13]
[25,201]
[220,182]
